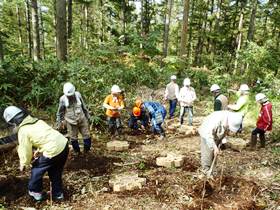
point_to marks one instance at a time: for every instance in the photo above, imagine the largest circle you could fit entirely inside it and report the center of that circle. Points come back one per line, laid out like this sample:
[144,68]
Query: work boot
[37,196]
[253,142]
[262,141]
[87,145]
[76,147]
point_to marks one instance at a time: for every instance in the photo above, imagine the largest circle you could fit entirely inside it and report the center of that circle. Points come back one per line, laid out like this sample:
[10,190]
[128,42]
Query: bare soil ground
[244,180]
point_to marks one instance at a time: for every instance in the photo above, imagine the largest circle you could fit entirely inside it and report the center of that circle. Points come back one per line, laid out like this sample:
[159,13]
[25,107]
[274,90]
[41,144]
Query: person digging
[212,131]
[73,113]
[50,154]
[264,122]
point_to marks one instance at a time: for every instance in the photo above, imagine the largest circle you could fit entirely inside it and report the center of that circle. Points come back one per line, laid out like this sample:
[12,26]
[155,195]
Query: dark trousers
[257,131]
[133,122]
[172,107]
[114,124]
[54,167]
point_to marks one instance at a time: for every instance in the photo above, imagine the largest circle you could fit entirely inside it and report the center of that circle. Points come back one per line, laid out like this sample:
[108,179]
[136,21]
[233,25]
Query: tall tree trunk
[190,42]
[42,33]
[28,27]
[239,38]
[86,24]
[61,31]
[169,4]
[69,21]
[35,30]
[102,37]
[124,20]
[19,25]
[184,28]
[251,30]
[1,48]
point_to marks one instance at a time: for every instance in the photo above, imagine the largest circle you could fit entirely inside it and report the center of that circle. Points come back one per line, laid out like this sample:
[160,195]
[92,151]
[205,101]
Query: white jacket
[187,96]
[214,127]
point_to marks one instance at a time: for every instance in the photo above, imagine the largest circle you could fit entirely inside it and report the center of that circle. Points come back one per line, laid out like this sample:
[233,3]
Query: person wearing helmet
[51,151]
[242,103]
[220,101]
[72,111]
[138,113]
[171,94]
[186,98]
[212,131]
[264,122]
[114,104]
[157,114]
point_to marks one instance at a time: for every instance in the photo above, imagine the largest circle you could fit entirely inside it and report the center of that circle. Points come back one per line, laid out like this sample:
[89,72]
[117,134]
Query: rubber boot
[262,141]
[87,145]
[75,145]
[253,142]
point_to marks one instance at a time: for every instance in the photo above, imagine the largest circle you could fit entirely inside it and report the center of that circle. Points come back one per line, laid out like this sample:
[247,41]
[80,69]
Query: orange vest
[117,102]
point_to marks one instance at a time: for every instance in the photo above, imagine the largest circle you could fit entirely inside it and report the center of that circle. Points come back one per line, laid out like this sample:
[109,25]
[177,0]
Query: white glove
[224,141]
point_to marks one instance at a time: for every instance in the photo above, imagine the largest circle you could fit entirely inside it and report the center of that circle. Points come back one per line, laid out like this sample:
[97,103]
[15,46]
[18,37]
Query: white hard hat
[115,89]
[215,87]
[10,112]
[173,77]
[235,121]
[244,87]
[187,82]
[68,89]
[260,97]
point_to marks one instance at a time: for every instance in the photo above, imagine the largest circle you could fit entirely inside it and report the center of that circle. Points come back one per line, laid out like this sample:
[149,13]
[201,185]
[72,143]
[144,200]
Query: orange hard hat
[138,103]
[136,111]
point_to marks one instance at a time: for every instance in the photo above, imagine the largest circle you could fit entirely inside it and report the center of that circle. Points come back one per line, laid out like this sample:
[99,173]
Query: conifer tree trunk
[1,48]
[239,38]
[69,21]
[35,30]
[28,27]
[251,30]
[169,4]
[19,24]
[61,31]
[184,28]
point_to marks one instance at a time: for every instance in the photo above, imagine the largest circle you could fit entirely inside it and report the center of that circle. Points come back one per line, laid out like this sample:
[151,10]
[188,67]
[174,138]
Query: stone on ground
[117,145]
[237,144]
[171,160]
[125,182]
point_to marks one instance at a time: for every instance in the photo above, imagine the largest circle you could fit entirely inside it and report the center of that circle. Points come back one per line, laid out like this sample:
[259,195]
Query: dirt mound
[226,193]
[12,188]
[97,165]
[148,94]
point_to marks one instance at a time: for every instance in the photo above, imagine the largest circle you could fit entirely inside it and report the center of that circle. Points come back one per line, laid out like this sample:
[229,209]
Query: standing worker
[264,122]
[220,100]
[186,98]
[72,111]
[242,103]
[171,94]
[50,155]
[114,104]
[212,131]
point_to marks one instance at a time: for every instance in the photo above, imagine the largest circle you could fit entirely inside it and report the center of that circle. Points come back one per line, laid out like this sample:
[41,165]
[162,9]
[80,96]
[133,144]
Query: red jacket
[265,117]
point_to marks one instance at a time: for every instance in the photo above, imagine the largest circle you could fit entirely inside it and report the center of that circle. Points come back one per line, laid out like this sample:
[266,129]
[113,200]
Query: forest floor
[244,180]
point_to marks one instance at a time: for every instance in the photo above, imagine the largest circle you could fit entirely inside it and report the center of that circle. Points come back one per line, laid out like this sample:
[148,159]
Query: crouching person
[138,114]
[264,122]
[212,131]
[72,111]
[157,113]
[50,156]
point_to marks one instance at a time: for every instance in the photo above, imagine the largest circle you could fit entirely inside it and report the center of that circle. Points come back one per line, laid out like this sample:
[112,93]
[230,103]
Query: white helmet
[115,89]
[187,82]
[235,121]
[10,112]
[215,87]
[244,87]
[68,89]
[173,77]
[260,97]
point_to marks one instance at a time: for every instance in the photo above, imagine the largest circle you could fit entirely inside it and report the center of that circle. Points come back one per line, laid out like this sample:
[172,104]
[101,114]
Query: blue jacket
[154,107]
